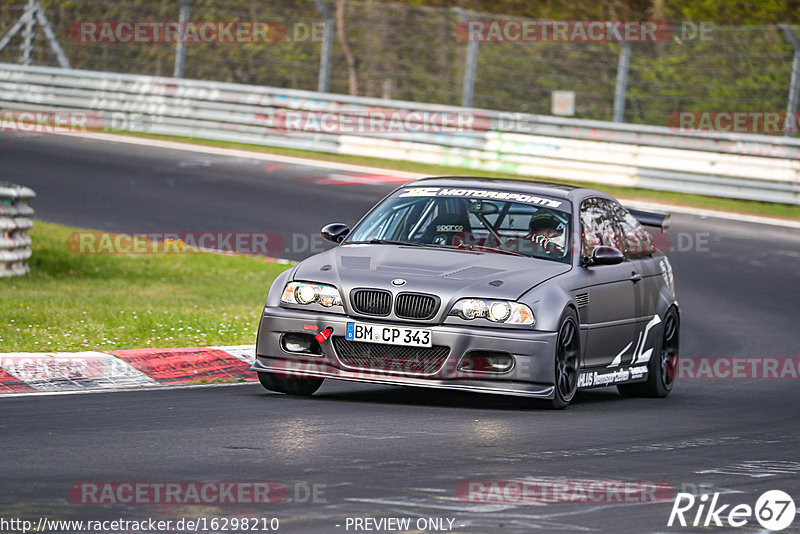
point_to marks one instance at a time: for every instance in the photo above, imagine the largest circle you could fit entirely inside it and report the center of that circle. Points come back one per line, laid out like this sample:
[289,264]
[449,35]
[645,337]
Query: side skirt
[612,376]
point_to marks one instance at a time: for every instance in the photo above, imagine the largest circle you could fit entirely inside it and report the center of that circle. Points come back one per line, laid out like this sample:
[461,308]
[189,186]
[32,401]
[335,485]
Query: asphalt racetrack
[376,451]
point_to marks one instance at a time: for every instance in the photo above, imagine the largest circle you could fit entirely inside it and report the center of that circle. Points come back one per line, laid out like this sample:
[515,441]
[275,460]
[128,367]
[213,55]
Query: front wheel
[663,366]
[304,387]
[567,359]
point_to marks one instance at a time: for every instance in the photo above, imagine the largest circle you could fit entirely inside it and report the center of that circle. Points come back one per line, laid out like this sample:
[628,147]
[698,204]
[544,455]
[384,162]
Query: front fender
[275,290]
[548,302]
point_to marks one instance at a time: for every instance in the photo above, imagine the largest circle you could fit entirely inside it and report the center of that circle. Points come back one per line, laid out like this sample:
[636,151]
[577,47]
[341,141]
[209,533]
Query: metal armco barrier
[734,165]
[15,221]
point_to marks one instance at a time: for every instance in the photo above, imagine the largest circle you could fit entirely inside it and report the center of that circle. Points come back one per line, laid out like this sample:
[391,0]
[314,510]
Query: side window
[598,226]
[637,241]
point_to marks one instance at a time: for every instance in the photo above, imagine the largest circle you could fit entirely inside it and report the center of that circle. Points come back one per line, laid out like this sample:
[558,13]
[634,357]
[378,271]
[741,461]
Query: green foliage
[412,52]
[73,301]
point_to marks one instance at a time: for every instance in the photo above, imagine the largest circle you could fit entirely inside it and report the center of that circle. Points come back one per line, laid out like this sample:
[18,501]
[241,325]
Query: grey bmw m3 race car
[475,284]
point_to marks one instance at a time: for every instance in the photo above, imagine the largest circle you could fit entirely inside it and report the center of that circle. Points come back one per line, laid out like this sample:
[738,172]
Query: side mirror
[604,255]
[335,232]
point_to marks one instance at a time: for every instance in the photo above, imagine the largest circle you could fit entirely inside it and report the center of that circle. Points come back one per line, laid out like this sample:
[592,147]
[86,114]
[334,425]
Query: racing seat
[448,229]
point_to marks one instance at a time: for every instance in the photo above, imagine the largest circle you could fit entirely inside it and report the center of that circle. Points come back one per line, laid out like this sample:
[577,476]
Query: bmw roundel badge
[397,282]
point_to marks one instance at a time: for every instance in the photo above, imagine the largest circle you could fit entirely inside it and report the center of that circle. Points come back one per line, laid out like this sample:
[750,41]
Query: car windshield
[477,224]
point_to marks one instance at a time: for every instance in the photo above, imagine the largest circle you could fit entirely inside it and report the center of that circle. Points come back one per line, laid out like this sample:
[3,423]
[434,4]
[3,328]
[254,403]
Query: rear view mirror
[483,208]
[335,232]
[605,255]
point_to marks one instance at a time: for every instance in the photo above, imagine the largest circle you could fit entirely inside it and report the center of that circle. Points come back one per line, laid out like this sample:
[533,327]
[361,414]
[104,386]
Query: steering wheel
[452,239]
[548,246]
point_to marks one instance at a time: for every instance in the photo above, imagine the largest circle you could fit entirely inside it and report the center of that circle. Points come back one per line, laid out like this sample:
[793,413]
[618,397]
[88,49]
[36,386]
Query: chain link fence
[416,54]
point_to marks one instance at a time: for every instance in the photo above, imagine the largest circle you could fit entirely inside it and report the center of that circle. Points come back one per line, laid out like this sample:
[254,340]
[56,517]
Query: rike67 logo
[774,511]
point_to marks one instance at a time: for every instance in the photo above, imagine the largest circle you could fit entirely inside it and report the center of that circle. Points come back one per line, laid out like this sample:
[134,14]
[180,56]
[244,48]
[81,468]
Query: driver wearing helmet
[547,231]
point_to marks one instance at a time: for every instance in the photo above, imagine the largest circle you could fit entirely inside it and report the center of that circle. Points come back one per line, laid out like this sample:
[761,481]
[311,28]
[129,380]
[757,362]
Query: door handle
[635,277]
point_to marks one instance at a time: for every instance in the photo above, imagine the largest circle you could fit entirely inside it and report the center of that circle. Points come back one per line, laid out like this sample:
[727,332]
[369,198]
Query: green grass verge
[76,302]
[768,209]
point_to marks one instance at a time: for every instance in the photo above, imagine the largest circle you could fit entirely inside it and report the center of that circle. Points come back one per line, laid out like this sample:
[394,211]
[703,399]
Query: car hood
[450,274]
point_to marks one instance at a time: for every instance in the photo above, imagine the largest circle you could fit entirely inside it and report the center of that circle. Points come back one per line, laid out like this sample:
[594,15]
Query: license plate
[390,335]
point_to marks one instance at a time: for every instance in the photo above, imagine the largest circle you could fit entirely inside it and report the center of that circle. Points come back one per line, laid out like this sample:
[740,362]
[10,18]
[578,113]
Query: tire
[567,360]
[304,387]
[663,366]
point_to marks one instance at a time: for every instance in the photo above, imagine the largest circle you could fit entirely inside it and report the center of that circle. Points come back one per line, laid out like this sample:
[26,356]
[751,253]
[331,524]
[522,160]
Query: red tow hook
[325,334]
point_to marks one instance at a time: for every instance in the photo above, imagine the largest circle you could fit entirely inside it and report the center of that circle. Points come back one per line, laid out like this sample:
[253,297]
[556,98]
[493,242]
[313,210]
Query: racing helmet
[545,220]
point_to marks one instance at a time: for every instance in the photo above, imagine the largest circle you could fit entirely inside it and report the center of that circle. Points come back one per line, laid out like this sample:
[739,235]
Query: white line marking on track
[360,179]
[234,152]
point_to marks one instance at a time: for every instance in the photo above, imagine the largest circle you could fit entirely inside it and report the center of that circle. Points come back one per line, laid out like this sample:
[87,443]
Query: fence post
[327,46]
[622,81]
[471,66]
[180,46]
[28,33]
[27,22]
[51,36]
[791,105]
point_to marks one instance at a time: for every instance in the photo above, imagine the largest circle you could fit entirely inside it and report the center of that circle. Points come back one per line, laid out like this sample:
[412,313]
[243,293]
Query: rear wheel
[663,366]
[567,359]
[293,386]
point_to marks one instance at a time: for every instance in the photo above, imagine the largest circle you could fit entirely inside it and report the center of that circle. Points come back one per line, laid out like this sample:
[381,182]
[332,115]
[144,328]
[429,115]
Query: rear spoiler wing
[656,220]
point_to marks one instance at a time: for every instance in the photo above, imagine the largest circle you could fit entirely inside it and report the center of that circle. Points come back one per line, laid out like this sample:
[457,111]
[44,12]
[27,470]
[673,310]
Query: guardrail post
[327,46]
[180,46]
[471,66]
[791,106]
[14,224]
[622,81]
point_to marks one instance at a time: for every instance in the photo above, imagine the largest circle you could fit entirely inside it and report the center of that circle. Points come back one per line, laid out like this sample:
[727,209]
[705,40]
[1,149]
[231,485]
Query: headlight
[471,308]
[306,293]
[497,311]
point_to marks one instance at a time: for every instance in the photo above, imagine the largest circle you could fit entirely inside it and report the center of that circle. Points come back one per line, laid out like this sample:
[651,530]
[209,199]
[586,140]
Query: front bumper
[532,375]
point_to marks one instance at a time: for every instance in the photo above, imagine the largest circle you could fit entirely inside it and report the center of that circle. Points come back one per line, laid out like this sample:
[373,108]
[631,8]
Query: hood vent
[407,270]
[356,262]
[470,273]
